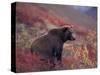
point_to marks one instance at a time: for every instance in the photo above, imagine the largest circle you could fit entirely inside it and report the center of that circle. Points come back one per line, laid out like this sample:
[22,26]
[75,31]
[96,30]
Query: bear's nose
[72,38]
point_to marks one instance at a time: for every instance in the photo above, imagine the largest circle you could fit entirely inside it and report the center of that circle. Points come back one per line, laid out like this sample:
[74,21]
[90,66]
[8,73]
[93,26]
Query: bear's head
[67,34]
[64,33]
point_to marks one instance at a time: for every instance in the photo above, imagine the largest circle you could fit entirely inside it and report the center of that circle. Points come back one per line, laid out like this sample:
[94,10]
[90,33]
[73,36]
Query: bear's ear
[64,29]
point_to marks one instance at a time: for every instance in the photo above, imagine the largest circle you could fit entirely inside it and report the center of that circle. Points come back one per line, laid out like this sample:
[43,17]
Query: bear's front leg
[59,59]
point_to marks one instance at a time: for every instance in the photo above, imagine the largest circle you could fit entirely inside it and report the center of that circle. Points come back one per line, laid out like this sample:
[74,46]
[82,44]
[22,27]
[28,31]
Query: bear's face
[67,34]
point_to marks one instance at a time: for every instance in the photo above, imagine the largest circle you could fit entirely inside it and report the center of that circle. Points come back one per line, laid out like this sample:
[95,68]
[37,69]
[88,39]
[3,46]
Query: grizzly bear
[50,46]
